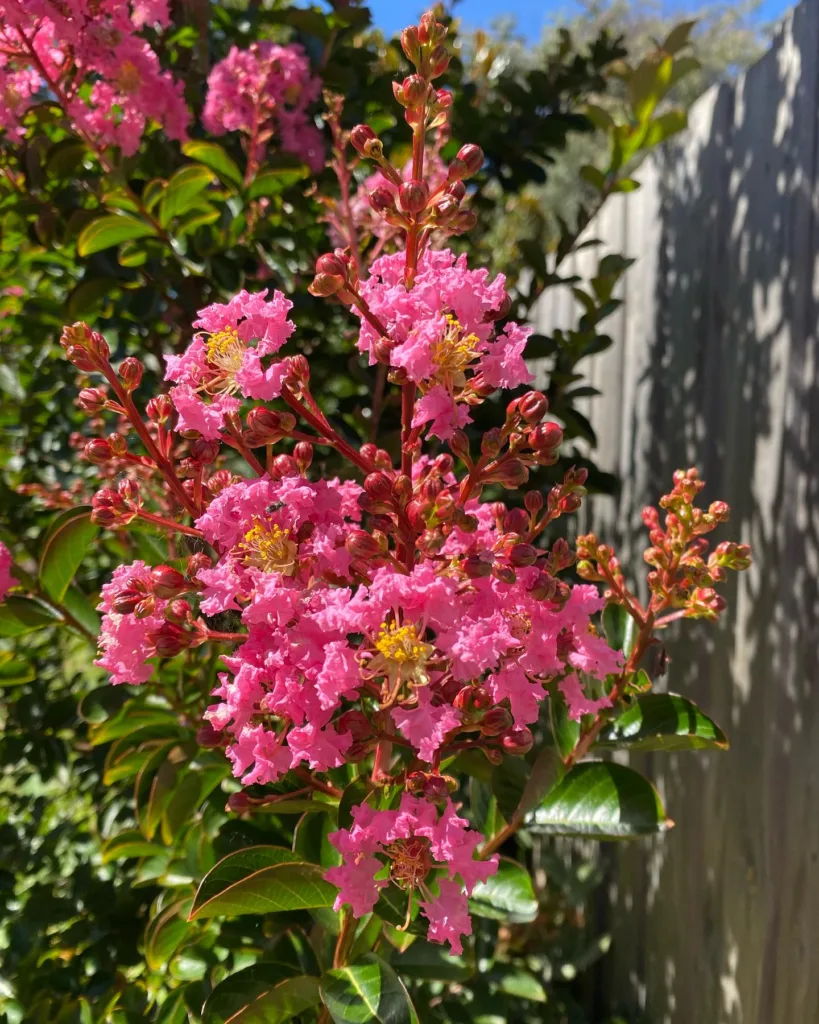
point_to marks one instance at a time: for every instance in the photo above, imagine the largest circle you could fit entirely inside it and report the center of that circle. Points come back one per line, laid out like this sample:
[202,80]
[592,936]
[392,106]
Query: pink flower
[577,701]
[503,365]
[7,581]
[125,644]
[264,90]
[418,846]
[448,915]
[439,406]
[427,725]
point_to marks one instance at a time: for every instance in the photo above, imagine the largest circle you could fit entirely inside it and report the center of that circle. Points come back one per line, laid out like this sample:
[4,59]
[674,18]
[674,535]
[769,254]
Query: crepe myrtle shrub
[409,658]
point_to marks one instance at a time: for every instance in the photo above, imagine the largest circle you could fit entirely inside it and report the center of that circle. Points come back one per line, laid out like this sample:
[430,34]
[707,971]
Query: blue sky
[530,15]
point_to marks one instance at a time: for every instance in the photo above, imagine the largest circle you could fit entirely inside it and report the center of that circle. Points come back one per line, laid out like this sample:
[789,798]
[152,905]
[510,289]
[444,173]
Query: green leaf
[619,627]
[600,800]
[546,770]
[508,783]
[593,176]
[15,671]
[78,606]
[271,181]
[354,795]
[165,933]
[128,844]
[111,230]
[214,157]
[392,908]
[262,880]
[678,37]
[259,993]
[506,896]
[184,187]
[431,962]
[565,731]
[368,990]
[663,127]
[65,547]
[625,185]
[19,615]
[663,721]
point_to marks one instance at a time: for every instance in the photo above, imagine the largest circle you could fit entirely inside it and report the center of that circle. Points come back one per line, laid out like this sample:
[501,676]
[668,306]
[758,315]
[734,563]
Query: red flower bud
[522,555]
[92,400]
[546,436]
[468,161]
[238,802]
[159,409]
[98,451]
[303,454]
[413,196]
[178,611]
[285,465]
[463,221]
[126,601]
[496,721]
[168,582]
[366,142]
[515,521]
[204,452]
[410,44]
[415,90]
[329,263]
[456,190]
[533,407]
[209,738]
[170,639]
[518,742]
[379,487]
[324,285]
[478,566]
[438,61]
[130,373]
[382,200]
[533,500]
[472,698]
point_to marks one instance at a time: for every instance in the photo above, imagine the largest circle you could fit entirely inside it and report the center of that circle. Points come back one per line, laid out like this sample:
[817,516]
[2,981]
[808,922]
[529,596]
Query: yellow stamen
[268,547]
[399,643]
[454,350]
[225,352]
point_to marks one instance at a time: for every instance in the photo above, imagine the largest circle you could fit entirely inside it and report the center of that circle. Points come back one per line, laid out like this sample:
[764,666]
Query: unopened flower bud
[170,639]
[382,200]
[204,452]
[330,263]
[478,566]
[533,500]
[720,510]
[522,555]
[518,742]
[126,601]
[410,44]
[496,721]
[179,610]
[570,503]
[379,487]
[198,562]
[159,409]
[463,221]
[430,30]
[455,190]
[130,373]
[303,454]
[208,738]
[98,451]
[533,407]
[546,436]
[515,521]
[238,802]
[92,400]
[415,90]
[285,465]
[298,369]
[500,311]
[491,442]
[473,698]
[413,196]
[438,62]
[168,582]
[512,474]
[468,161]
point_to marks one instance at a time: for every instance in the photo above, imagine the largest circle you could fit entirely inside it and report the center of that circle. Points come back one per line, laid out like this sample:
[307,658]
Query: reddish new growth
[395,619]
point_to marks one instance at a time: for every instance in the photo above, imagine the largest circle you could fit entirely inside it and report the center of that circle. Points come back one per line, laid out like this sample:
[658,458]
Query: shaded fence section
[715,364]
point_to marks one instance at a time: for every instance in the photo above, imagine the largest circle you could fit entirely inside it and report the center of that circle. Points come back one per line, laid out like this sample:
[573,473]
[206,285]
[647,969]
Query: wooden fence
[716,364]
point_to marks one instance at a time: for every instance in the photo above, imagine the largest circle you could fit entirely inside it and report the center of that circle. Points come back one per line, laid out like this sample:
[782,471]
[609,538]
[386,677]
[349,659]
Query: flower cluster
[415,848]
[264,91]
[394,620]
[89,56]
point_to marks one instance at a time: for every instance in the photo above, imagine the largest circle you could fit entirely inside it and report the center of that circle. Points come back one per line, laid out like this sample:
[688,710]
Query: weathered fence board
[715,364]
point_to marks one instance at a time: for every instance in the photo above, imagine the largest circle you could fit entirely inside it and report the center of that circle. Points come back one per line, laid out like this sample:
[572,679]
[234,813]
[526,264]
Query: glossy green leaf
[111,230]
[507,896]
[262,880]
[182,191]
[430,961]
[619,627]
[19,615]
[81,611]
[65,547]
[271,181]
[565,731]
[368,990]
[523,985]
[663,721]
[15,671]
[131,843]
[213,156]
[165,933]
[258,993]
[600,800]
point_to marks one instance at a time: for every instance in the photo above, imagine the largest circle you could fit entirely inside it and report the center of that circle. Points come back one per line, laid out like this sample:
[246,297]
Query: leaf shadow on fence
[719,921]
